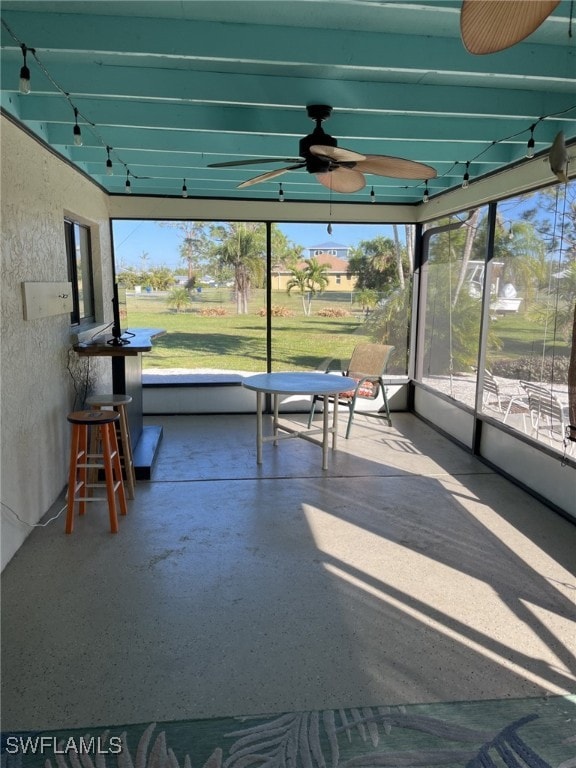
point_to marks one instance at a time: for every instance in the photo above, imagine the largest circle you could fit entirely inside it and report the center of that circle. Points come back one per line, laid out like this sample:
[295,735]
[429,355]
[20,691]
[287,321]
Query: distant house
[334,256]
[332,249]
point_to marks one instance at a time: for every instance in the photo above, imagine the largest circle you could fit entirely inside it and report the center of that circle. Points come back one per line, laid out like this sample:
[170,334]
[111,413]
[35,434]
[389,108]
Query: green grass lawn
[521,337]
[238,342]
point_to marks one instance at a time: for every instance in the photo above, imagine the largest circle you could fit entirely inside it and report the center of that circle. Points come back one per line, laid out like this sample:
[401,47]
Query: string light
[184,189]
[426,195]
[24,85]
[372,196]
[128,185]
[281,193]
[77,132]
[531,144]
[466,177]
[109,169]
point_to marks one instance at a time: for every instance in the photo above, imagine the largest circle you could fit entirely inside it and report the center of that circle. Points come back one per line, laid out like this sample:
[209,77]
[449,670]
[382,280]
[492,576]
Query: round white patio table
[298,383]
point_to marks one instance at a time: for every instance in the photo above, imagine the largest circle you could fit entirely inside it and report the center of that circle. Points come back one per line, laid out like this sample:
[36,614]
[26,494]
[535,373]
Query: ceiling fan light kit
[338,169]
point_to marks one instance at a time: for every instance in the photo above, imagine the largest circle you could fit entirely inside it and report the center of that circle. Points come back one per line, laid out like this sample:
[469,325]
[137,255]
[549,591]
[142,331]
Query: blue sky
[161,243]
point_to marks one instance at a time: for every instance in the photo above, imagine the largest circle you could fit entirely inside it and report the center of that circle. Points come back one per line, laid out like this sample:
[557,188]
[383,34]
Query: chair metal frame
[505,403]
[367,366]
[547,415]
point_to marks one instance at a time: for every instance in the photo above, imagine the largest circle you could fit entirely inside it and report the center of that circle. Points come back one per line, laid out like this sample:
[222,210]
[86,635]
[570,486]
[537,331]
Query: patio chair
[494,398]
[367,365]
[547,416]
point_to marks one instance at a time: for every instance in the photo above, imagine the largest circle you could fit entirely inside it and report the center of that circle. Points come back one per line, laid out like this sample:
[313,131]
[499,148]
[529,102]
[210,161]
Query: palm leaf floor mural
[514,733]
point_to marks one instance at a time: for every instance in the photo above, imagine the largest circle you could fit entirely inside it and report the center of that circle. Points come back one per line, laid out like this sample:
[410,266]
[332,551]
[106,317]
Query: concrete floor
[408,572]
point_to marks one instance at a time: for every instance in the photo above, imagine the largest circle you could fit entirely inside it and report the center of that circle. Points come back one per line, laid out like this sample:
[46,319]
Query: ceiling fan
[339,169]
[488,26]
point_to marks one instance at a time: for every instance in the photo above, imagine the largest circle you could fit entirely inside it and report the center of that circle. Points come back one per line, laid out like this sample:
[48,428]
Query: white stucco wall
[36,388]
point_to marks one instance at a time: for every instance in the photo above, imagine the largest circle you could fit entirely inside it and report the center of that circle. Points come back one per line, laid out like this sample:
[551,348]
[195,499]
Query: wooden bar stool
[119,403]
[82,462]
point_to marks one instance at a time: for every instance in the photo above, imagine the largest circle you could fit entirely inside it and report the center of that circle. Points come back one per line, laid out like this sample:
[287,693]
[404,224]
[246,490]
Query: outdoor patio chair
[367,365]
[547,418]
[494,398]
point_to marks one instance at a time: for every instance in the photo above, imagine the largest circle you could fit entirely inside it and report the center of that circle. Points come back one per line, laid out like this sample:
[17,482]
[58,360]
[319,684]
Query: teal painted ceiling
[172,87]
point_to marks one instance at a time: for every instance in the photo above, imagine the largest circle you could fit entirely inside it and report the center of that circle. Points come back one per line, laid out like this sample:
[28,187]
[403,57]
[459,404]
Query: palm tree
[193,246]
[378,263]
[309,281]
[299,281]
[367,298]
[178,299]
[240,247]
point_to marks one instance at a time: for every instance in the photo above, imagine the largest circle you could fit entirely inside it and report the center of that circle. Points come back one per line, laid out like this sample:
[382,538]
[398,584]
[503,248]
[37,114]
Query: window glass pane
[532,312]
[84,272]
[330,293]
[204,283]
[454,279]
[79,260]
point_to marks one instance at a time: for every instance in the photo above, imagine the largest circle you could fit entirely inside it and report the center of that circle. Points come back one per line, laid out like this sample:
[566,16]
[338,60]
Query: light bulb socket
[372,195]
[466,181]
[109,168]
[280,194]
[128,187]
[77,135]
[24,85]
[184,191]
[530,147]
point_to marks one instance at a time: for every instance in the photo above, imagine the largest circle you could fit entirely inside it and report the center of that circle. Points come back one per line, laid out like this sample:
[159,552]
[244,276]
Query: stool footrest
[95,465]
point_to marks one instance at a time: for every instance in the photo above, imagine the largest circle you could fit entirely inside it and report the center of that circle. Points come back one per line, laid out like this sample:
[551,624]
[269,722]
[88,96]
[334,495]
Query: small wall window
[79,257]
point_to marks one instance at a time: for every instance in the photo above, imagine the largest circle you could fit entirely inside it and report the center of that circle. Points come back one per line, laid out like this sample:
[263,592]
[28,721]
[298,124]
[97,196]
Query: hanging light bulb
[531,144]
[281,193]
[24,85]
[128,185]
[372,196]
[77,132]
[329,229]
[466,177]
[184,189]
[109,169]
[426,195]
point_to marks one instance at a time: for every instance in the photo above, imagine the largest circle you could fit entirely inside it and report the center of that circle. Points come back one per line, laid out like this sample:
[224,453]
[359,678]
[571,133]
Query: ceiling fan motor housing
[315,164]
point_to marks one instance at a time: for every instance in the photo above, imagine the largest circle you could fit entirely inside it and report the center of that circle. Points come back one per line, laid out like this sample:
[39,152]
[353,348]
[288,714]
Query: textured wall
[37,389]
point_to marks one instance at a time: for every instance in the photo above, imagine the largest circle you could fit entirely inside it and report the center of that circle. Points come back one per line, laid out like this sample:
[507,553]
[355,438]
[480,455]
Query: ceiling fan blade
[488,26]
[269,175]
[342,180]
[232,163]
[338,154]
[395,167]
